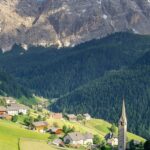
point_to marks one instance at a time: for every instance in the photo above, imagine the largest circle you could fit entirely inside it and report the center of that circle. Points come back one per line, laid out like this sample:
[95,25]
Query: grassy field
[11,132]
[26,144]
[34,145]
[94,126]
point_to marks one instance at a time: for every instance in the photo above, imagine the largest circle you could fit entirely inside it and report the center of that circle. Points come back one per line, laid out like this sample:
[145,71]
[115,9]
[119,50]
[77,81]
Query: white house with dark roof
[76,138]
[88,138]
[15,109]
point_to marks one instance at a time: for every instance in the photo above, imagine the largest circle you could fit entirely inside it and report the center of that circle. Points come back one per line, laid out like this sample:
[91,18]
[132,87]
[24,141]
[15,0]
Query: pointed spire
[123,116]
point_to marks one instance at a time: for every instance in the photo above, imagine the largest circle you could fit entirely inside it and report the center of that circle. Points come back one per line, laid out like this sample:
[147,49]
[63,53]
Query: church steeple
[122,135]
[123,115]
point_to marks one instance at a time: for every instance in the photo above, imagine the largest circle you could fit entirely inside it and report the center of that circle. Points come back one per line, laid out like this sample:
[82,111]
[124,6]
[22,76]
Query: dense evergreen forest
[91,77]
[10,87]
[103,98]
[54,72]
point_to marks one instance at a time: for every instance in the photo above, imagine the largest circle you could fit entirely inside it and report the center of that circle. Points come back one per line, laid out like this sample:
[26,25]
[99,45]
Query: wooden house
[54,130]
[3,110]
[40,126]
[56,115]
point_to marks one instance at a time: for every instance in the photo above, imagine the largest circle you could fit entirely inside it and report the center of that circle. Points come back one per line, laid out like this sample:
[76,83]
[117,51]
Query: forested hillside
[92,77]
[54,72]
[106,93]
[10,87]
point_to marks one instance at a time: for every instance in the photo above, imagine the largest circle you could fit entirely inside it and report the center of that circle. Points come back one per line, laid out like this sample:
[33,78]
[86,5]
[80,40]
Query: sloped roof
[40,123]
[71,116]
[54,129]
[16,107]
[87,115]
[76,136]
[2,108]
[88,136]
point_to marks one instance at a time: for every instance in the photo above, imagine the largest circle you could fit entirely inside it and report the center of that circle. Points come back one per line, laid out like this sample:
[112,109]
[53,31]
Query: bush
[113,128]
[80,117]
[14,118]
[67,130]
[96,140]
[28,121]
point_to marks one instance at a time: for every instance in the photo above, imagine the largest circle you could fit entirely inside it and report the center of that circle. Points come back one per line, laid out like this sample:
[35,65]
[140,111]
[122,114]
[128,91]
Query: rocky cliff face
[69,22]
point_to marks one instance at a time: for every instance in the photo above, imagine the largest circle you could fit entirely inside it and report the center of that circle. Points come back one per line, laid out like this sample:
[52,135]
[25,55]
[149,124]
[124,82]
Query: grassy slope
[36,145]
[95,126]
[10,134]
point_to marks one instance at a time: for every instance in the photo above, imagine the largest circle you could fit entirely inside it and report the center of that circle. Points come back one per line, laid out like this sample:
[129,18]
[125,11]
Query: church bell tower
[122,129]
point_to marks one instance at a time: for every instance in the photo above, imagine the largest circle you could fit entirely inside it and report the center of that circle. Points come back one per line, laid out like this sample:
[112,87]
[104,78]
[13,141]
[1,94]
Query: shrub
[14,118]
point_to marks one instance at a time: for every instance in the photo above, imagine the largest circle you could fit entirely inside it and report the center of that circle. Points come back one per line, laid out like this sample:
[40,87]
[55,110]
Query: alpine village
[68,131]
[74,74]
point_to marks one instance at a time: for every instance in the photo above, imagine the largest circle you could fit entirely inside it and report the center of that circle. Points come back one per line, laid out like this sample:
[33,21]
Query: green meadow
[10,133]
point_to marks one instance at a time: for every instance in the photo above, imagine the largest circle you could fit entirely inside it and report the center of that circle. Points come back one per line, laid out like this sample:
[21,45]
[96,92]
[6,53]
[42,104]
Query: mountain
[69,22]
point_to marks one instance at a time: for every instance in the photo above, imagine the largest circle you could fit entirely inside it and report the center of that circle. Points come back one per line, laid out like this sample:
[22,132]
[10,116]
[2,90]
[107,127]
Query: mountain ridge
[66,23]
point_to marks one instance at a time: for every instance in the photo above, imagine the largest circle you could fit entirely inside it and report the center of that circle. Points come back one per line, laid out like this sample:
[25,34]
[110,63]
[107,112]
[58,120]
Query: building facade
[122,129]
[77,138]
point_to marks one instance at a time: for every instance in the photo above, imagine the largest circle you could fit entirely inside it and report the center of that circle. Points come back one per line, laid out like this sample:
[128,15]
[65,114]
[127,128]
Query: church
[122,129]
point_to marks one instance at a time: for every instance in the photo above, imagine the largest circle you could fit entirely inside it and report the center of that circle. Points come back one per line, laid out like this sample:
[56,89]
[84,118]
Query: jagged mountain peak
[69,22]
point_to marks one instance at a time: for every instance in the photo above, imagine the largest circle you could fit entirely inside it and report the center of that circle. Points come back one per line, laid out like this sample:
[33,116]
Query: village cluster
[12,108]
[65,135]
[71,137]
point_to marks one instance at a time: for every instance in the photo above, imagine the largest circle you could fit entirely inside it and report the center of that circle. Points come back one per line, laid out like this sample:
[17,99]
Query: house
[72,117]
[10,100]
[76,138]
[56,115]
[88,138]
[133,142]
[109,136]
[12,111]
[6,117]
[54,130]
[15,109]
[87,116]
[40,126]
[113,141]
[3,110]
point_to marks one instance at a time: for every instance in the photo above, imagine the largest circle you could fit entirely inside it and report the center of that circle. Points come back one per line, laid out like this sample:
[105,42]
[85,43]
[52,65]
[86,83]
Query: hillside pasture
[10,133]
